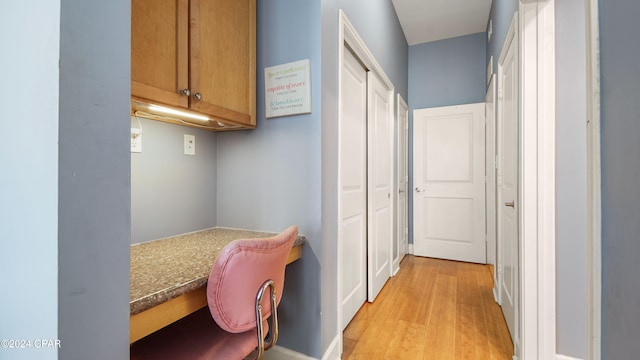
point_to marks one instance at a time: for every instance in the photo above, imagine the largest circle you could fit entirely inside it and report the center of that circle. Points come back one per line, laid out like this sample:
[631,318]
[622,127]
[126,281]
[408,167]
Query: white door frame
[537,180]
[537,19]
[347,35]
[594,234]
[402,142]
[490,173]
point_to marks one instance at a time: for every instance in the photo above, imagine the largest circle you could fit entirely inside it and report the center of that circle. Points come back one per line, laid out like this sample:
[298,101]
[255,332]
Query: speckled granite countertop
[167,268]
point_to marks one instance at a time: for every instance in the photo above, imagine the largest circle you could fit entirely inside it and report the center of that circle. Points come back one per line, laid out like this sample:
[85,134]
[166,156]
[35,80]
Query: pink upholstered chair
[245,285]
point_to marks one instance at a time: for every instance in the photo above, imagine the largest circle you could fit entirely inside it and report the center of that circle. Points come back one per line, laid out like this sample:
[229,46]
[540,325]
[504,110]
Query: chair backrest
[239,271]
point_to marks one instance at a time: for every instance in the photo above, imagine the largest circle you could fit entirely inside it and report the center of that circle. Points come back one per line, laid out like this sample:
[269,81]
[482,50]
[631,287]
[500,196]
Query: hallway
[432,309]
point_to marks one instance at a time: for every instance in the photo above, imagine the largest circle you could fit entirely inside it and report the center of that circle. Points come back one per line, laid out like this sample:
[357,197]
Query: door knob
[418,189]
[510,204]
[197,96]
[185,92]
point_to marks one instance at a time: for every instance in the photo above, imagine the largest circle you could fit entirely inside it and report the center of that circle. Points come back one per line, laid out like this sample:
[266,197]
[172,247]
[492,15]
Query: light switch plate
[189,144]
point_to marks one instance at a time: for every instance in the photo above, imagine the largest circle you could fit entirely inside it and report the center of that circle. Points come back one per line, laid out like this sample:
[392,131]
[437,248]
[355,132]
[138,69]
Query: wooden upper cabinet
[198,55]
[160,50]
[223,68]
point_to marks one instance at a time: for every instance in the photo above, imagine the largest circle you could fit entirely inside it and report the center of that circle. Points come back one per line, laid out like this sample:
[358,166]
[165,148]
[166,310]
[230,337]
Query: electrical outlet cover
[189,144]
[136,143]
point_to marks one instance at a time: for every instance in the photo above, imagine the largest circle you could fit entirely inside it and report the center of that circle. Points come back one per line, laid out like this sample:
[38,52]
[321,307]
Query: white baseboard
[333,352]
[282,353]
[395,267]
[558,357]
[564,357]
[495,295]
[411,249]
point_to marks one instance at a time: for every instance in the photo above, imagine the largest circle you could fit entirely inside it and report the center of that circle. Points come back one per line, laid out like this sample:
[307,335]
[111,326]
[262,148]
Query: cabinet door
[222,59]
[160,50]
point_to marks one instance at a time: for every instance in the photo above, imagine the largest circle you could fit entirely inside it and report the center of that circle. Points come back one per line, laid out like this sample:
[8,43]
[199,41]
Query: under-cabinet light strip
[177,112]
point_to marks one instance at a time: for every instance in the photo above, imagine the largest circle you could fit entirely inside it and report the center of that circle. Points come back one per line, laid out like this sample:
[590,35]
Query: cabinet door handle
[197,96]
[185,92]
[510,204]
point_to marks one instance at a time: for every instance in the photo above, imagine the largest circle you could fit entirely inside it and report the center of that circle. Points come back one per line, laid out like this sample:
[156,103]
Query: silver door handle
[400,191]
[511,204]
[418,189]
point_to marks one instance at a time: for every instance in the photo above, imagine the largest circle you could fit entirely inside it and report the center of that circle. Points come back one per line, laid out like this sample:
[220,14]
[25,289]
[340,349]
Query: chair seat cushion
[196,336]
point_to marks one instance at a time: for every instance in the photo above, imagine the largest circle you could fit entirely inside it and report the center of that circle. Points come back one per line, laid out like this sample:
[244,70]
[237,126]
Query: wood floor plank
[471,331]
[470,340]
[403,344]
[432,309]
[440,332]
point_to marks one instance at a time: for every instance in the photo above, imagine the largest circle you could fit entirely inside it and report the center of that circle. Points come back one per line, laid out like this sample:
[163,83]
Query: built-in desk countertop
[169,276]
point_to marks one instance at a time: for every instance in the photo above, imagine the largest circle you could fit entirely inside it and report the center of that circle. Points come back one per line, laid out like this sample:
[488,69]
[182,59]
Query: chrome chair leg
[273,323]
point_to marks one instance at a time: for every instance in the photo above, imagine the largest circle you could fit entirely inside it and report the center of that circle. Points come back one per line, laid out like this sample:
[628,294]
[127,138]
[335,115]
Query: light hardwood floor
[432,309]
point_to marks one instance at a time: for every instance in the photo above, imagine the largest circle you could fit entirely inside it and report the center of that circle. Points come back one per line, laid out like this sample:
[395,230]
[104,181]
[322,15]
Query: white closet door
[508,158]
[380,182]
[353,187]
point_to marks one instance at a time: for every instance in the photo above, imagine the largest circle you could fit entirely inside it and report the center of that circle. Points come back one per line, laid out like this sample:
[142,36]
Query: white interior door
[380,183]
[403,182]
[508,105]
[353,187]
[449,180]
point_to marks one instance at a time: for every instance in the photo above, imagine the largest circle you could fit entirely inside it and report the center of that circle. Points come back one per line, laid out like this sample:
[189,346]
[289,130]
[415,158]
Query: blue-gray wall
[269,178]
[448,72]
[377,24]
[571,179]
[29,175]
[172,193]
[442,73]
[501,15]
[94,180]
[620,86]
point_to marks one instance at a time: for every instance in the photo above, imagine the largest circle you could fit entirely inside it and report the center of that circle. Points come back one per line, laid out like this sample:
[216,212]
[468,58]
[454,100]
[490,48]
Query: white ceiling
[430,20]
